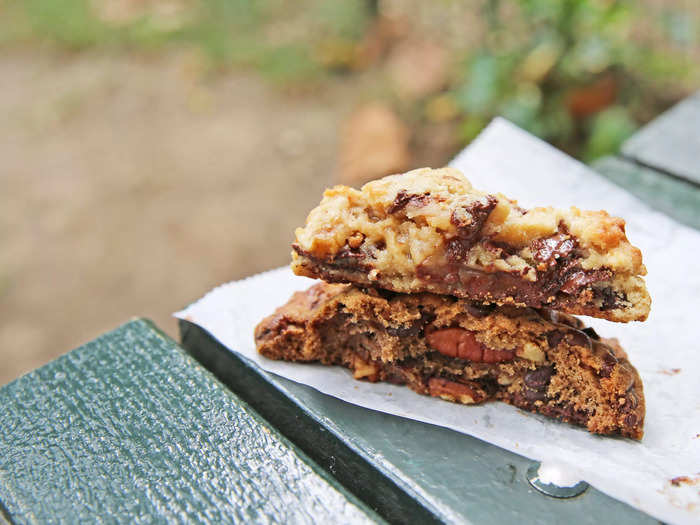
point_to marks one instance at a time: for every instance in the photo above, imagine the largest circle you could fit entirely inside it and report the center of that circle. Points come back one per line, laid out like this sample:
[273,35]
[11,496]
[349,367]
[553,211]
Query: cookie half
[461,351]
[431,231]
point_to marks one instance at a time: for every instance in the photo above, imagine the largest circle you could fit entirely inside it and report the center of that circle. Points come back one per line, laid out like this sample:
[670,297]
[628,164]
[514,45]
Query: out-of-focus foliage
[582,74]
[575,72]
[284,41]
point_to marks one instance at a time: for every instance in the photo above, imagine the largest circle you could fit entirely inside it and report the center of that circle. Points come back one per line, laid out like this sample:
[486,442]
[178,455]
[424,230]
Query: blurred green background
[153,149]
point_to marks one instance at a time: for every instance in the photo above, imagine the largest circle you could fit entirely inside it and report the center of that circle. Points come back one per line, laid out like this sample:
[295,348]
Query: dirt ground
[129,186]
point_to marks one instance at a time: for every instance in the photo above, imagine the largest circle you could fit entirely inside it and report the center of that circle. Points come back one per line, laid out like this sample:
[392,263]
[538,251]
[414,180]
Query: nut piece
[505,380]
[531,352]
[457,342]
[362,369]
[453,391]
[356,240]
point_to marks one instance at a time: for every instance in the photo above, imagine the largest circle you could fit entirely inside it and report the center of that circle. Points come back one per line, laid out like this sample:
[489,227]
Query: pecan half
[457,342]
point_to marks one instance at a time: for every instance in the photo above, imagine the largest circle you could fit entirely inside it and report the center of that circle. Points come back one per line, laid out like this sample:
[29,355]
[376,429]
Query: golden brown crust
[538,360]
[406,232]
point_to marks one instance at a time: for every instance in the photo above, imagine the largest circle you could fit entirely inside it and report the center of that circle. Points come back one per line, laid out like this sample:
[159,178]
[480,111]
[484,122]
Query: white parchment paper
[665,349]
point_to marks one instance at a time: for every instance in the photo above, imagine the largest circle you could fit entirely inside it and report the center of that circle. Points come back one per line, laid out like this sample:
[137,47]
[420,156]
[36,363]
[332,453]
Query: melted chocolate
[590,332]
[560,277]
[469,220]
[581,278]
[538,379]
[403,198]
[411,329]
[551,249]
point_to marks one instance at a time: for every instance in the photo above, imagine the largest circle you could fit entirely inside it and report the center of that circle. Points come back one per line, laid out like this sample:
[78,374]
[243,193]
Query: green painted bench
[133,427]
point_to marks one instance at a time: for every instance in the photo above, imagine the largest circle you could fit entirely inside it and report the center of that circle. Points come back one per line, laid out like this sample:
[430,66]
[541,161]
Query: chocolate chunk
[578,338]
[550,249]
[427,317]
[400,202]
[583,278]
[538,379]
[372,214]
[469,220]
[480,310]
[631,402]
[500,249]
[456,250]
[411,329]
[549,315]
[489,385]
[609,299]
[563,319]
[609,363]
[574,283]
[554,338]
[497,284]
[349,258]
[591,333]
[631,420]
[566,412]
[403,198]
[534,395]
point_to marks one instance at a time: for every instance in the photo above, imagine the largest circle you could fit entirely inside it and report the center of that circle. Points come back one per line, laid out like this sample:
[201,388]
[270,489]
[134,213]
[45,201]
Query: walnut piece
[452,391]
[363,369]
[531,352]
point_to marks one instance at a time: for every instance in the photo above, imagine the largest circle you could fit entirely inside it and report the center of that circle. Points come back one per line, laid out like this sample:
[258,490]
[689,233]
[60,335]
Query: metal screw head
[550,489]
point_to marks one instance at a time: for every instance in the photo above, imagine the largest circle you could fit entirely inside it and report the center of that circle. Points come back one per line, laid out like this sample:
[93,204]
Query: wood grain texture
[671,142]
[129,428]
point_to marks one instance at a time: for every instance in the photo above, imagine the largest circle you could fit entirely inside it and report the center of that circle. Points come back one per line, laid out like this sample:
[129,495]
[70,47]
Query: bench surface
[131,427]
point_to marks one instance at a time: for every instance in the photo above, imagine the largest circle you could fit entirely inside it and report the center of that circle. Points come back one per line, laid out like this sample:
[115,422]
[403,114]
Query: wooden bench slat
[671,142]
[675,197]
[130,428]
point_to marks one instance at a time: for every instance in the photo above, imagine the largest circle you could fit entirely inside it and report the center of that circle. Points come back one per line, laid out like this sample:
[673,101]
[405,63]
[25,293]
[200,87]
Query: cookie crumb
[679,480]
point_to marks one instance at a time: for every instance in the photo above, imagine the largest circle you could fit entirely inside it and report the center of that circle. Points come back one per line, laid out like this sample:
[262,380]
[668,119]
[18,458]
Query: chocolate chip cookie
[463,351]
[431,231]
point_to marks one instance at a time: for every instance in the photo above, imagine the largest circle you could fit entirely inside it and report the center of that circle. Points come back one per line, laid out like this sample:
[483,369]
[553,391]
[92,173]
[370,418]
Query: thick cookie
[462,351]
[430,231]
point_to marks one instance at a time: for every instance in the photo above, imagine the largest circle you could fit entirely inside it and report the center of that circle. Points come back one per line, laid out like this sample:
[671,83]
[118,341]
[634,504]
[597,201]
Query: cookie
[463,351]
[431,231]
